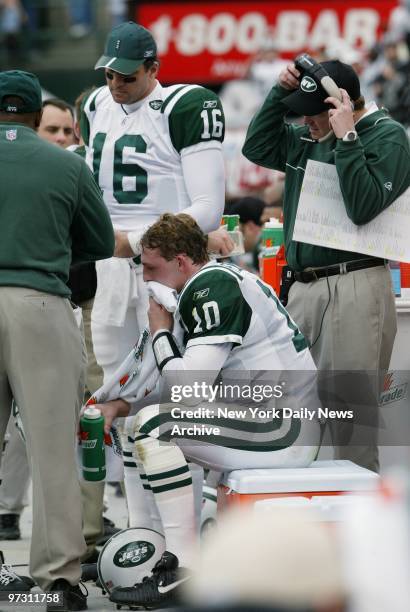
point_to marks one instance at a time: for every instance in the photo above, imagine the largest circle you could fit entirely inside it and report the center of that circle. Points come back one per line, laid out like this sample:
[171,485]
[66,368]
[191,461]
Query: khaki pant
[15,473]
[15,468]
[356,332]
[42,365]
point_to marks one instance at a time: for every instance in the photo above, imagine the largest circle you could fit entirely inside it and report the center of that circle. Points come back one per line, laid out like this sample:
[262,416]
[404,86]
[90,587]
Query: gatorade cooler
[321,478]
[272,255]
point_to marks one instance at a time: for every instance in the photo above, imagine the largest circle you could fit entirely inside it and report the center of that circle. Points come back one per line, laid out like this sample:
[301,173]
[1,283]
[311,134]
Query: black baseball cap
[309,98]
[24,85]
[128,45]
[248,209]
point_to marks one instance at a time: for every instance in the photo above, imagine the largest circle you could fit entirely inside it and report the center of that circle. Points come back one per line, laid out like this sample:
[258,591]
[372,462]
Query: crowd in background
[26,26]
[384,70]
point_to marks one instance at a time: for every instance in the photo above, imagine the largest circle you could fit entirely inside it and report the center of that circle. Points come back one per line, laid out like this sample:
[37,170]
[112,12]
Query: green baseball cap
[128,45]
[26,86]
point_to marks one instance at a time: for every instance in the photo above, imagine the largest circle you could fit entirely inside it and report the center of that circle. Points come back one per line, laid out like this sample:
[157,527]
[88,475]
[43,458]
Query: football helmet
[129,556]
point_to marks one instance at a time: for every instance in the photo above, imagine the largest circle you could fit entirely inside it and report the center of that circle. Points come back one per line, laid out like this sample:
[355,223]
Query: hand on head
[289,77]
[341,116]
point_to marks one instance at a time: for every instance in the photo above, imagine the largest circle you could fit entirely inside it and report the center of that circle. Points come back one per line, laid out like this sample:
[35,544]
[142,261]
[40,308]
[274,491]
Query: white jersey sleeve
[204,177]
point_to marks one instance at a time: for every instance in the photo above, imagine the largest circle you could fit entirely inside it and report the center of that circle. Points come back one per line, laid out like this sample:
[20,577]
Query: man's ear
[77,131]
[154,69]
[180,260]
[183,262]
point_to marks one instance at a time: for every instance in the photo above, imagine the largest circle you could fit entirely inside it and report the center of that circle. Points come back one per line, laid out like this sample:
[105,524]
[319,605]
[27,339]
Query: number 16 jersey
[135,151]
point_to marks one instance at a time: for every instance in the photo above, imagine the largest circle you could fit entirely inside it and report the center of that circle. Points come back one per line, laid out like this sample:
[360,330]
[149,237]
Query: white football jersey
[223,303]
[135,150]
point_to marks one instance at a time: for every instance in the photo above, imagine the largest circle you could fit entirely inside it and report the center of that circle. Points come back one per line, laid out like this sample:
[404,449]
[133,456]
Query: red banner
[212,42]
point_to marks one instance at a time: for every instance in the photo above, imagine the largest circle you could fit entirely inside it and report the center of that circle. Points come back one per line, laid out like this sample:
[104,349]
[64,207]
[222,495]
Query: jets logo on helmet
[308,84]
[133,554]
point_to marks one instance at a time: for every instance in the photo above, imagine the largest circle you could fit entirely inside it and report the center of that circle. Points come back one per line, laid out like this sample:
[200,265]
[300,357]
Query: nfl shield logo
[11,134]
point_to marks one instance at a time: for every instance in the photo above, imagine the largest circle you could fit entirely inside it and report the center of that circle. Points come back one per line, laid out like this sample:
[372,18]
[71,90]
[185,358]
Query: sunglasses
[125,79]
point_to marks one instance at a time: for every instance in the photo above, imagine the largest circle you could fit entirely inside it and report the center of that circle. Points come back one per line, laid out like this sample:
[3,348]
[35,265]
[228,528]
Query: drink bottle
[231,224]
[92,444]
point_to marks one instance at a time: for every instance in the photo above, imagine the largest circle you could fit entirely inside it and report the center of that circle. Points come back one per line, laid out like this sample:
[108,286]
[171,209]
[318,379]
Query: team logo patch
[210,104]
[203,293]
[308,85]
[388,186]
[149,53]
[156,104]
[11,134]
[134,553]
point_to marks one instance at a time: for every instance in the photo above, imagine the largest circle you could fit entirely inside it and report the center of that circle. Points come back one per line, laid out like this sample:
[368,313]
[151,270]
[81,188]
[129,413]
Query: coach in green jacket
[342,301]
[51,215]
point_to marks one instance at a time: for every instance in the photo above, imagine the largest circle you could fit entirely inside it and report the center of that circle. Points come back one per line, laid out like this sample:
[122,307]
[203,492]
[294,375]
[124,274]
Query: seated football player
[237,390]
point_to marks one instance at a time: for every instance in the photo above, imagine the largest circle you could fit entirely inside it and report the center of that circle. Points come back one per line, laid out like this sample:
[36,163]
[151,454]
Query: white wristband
[134,240]
[165,348]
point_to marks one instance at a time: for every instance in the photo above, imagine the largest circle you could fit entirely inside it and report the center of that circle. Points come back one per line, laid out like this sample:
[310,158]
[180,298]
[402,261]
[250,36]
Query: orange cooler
[405,275]
[321,478]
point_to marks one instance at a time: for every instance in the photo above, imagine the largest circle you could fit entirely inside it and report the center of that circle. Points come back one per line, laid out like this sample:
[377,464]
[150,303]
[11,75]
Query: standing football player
[153,149]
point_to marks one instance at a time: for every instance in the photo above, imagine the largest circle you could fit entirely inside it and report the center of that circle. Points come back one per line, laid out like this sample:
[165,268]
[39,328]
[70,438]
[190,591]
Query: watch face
[350,136]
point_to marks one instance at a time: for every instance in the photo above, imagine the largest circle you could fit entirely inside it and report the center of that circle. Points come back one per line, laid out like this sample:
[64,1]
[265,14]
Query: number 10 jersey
[135,151]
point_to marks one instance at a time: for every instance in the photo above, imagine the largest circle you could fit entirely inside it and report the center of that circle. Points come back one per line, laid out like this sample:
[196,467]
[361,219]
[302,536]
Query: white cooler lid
[319,476]
[329,508]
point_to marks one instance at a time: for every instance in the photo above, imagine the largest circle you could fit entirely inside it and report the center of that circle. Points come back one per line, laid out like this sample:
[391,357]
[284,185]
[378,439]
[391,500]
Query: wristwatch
[350,136]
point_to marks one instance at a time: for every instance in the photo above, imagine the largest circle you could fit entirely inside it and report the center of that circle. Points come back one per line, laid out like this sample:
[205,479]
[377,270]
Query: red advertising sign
[212,42]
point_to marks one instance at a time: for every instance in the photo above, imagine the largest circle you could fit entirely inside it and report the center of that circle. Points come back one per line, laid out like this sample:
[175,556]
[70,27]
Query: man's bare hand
[159,317]
[111,410]
[220,243]
[288,78]
[122,245]
[341,117]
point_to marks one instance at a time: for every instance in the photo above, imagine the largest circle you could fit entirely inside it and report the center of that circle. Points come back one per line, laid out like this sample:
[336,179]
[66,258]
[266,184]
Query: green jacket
[51,212]
[373,171]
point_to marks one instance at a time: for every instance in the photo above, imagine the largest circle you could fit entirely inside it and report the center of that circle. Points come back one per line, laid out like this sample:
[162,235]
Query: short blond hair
[176,234]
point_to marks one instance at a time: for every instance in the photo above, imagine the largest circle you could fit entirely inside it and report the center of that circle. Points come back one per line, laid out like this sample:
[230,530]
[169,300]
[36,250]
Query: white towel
[138,374]
[113,290]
